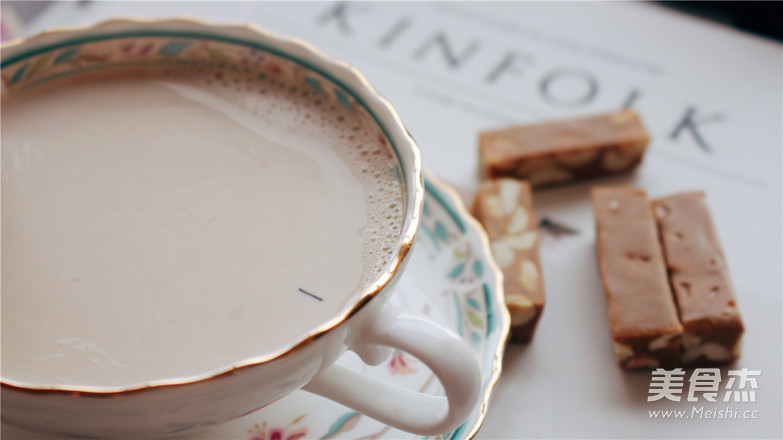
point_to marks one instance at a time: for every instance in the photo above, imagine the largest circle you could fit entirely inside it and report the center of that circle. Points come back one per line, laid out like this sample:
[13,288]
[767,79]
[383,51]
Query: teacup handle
[445,353]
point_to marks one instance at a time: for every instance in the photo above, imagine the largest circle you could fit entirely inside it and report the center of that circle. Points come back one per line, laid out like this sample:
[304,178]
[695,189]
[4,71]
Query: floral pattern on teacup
[92,53]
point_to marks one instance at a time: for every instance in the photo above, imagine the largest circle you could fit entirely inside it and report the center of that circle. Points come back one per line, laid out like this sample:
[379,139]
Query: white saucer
[451,279]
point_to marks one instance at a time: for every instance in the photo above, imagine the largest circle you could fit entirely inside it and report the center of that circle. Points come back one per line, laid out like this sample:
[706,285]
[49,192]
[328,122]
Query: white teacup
[96,401]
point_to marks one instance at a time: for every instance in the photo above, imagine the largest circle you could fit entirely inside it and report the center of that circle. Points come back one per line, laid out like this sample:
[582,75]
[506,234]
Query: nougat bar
[712,327]
[559,152]
[642,314]
[505,208]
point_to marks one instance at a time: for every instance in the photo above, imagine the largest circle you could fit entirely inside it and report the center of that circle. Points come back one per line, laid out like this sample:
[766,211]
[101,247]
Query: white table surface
[569,59]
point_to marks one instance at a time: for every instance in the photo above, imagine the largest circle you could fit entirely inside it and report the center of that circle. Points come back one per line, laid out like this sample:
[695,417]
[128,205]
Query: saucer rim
[460,212]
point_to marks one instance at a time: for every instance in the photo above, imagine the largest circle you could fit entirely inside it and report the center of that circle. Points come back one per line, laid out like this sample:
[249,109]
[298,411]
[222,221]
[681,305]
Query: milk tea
[165,223]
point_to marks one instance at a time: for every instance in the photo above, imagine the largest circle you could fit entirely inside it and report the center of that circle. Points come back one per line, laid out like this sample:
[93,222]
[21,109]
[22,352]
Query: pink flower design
[400,364]
[290,432]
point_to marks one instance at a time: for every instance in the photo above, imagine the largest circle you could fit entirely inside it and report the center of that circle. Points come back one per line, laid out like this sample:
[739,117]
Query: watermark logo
[704,383]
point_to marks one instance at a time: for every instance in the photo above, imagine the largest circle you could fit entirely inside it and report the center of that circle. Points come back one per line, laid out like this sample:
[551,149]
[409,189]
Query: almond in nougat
[564,151]
[505,209]
[700,280]
[642,314]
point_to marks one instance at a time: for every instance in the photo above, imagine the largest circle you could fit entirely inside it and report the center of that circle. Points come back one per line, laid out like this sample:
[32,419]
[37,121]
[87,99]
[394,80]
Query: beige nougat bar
[559,152]
[700,280]
[505,209]
[642,314]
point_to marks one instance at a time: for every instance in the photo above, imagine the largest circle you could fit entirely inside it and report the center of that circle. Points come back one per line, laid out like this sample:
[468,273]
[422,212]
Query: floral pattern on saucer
[292,431]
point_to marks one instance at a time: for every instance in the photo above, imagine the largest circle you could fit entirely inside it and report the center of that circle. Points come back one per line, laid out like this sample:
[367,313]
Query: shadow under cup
[261,62]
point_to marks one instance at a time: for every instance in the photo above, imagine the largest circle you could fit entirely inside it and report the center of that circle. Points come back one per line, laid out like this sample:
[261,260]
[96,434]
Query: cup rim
[293,49]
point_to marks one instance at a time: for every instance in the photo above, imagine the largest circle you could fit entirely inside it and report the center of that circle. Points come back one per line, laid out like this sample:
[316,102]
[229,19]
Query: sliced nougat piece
[505,208]
[700,280]
[563,151]
[642,314]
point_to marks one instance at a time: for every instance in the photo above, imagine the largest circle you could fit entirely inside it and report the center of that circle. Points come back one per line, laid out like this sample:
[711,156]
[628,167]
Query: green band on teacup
[175,48]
